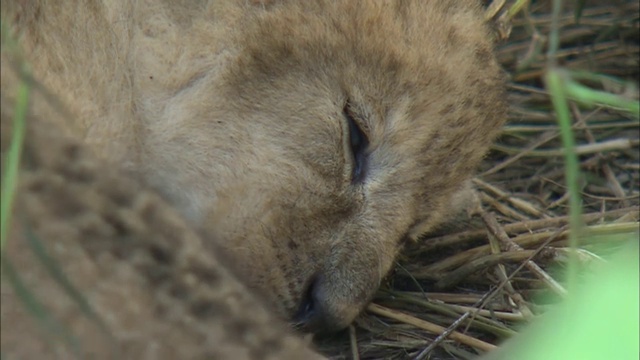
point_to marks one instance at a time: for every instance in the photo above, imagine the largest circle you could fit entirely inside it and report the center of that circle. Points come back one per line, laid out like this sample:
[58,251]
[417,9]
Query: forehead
[385,49]
[414,69]
[320,39]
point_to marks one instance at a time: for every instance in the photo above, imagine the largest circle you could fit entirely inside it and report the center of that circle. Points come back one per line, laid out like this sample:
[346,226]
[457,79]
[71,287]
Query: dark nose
[313,315]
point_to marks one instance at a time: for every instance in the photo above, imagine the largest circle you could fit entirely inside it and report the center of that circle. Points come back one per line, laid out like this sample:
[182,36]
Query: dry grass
[481,285]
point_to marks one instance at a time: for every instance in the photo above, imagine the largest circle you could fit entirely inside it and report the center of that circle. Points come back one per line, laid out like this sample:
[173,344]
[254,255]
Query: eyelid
[358,143]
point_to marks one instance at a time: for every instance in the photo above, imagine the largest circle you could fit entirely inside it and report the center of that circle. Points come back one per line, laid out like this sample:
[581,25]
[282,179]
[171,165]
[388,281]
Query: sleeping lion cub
[309,138]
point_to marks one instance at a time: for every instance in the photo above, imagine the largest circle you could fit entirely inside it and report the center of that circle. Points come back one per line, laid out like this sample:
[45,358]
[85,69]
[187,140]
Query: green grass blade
[557,90]
[10,173]
[586,95]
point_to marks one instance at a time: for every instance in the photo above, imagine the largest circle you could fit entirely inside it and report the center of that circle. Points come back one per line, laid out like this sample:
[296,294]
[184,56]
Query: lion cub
[310,137]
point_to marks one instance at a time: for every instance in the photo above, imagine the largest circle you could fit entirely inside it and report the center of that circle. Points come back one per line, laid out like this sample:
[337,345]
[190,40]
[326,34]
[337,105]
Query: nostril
[306,313]
[317,312]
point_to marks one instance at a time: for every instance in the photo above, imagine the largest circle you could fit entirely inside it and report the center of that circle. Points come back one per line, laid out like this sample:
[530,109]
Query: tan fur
[155,288]
[233,111]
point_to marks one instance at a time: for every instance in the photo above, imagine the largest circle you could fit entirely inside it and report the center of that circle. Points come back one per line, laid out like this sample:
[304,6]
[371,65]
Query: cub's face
[329,134]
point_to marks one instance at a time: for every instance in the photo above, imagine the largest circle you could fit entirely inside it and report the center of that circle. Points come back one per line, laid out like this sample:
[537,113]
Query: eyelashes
[358,144]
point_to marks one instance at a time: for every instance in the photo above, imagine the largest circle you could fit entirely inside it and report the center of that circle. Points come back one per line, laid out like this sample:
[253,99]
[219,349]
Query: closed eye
[358,143]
